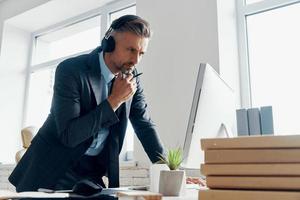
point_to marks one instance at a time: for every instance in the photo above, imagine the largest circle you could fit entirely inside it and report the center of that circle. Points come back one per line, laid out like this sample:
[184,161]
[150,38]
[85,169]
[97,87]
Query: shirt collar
[105,71]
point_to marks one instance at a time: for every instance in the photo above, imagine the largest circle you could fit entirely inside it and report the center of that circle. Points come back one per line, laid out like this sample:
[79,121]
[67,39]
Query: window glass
[252,1]
[274,46]
[39,96]
[127,11]
[69,40]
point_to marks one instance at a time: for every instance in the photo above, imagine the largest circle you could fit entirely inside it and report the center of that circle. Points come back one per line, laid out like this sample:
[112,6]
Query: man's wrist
[113,102]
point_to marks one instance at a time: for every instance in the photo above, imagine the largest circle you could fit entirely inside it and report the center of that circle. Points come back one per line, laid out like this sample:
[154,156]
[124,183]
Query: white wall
[10,8]
[13,62]
[185,34]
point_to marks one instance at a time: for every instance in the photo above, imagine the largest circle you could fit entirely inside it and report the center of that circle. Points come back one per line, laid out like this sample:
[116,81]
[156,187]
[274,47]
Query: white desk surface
[190,194]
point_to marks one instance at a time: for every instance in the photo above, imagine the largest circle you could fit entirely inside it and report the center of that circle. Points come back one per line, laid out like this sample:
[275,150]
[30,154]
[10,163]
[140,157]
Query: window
[269,61]
[78,37]
[55,45]
[39,98]
[51,48]
[126,11]
[252,1]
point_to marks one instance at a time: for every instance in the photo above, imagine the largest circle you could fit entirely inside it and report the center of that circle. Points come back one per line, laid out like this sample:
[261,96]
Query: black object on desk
[86,187]
[82,189]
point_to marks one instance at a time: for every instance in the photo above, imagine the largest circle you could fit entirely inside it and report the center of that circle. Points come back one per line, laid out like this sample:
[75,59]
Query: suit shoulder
[73,64]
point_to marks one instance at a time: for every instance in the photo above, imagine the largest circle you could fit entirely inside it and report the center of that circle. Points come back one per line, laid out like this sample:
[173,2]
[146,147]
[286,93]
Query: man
[94,96]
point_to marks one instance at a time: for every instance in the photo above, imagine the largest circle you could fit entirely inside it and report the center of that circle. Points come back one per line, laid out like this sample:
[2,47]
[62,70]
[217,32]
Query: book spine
[254,121]
[252,142]
[252,156]
[256,182]
[242,122]
[281,169]
[266,118]
[247,195]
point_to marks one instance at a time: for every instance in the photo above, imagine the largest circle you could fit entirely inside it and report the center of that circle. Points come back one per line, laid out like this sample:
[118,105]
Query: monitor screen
[212,114]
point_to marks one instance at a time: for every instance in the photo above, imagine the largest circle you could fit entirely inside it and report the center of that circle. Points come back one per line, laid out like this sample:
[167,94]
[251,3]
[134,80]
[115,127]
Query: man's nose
[136,59]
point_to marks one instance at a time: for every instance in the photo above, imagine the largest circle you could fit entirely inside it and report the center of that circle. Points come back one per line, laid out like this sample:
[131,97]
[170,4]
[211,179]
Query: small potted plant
[172,182]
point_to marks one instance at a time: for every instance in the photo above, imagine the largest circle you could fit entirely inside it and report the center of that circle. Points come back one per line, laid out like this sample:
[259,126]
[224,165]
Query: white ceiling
[53,12]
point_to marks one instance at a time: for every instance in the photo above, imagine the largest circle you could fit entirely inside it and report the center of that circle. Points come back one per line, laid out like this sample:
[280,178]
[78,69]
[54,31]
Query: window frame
[243,11]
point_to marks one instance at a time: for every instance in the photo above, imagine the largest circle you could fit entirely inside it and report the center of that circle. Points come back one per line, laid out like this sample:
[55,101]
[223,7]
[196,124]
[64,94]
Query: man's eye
[131,50]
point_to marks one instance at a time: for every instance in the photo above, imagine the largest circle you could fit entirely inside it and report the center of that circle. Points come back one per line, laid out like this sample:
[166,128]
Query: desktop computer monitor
[212,114]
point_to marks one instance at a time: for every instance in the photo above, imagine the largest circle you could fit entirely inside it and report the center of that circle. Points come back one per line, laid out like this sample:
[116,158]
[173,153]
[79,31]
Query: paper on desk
[6,194]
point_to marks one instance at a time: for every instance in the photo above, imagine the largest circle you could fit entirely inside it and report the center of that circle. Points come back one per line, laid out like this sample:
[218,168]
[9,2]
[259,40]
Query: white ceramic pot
[172,182]
[155,174]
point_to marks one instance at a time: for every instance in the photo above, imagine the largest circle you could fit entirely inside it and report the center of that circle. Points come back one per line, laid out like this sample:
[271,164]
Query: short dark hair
[137,26]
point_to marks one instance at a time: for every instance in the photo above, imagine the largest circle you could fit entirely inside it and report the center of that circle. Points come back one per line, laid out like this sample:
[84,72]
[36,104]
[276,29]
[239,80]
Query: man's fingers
[199,181]
[129,77]
[133,81]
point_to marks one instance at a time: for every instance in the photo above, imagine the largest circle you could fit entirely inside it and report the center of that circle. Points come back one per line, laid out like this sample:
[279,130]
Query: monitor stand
[224,132]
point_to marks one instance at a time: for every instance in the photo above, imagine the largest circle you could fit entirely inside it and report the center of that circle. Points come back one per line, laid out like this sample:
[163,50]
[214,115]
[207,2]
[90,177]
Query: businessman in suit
[94,96]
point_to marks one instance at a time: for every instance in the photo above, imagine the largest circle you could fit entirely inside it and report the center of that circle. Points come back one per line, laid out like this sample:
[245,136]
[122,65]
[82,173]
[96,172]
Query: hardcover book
[252,142]
[247,195]
[254,182]
[228,156]
[281,169]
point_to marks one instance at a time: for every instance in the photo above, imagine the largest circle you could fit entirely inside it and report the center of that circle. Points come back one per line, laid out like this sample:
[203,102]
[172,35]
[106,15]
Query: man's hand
[195,180]
[122,90]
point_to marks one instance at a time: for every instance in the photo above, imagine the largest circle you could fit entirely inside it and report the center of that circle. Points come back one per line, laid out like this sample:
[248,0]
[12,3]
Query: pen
[137,75]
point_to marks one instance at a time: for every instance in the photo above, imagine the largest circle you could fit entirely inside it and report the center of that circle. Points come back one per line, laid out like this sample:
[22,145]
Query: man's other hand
[195,180]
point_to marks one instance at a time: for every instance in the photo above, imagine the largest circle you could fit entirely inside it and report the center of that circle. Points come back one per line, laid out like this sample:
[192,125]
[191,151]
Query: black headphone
[108,42]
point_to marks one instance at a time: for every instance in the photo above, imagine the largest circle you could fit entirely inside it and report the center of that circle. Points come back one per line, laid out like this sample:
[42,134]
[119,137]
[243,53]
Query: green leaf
[173,158]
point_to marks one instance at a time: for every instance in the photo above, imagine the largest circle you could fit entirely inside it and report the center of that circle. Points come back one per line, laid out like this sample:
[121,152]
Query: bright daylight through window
[273,60]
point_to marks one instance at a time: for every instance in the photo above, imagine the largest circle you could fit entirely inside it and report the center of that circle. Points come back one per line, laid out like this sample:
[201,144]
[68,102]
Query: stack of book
[253,167]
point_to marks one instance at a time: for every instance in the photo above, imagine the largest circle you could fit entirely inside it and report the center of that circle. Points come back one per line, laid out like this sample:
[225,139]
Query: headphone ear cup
[108,45]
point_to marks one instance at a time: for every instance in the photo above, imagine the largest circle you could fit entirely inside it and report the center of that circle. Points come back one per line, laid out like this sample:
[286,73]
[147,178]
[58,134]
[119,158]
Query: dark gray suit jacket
[76,116]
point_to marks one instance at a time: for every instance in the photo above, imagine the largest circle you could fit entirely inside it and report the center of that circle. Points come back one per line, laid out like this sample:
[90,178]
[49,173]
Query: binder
[242,122]
[254,121]
[266,118]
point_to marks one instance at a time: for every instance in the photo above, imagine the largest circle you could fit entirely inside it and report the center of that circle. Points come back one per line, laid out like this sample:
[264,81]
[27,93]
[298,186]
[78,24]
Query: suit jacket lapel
[94,73]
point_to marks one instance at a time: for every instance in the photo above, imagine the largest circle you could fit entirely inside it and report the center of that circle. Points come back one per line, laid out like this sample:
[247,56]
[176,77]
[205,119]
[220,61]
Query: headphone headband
[108,42]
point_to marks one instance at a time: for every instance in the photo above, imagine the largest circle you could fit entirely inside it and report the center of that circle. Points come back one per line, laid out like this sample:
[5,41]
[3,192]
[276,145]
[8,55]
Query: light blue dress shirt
[106,78]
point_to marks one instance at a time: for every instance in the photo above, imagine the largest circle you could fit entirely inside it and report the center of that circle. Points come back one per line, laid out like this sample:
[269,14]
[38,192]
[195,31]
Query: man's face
[128,51]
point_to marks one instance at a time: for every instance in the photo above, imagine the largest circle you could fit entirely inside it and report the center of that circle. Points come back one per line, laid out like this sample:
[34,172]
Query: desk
[190,194]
